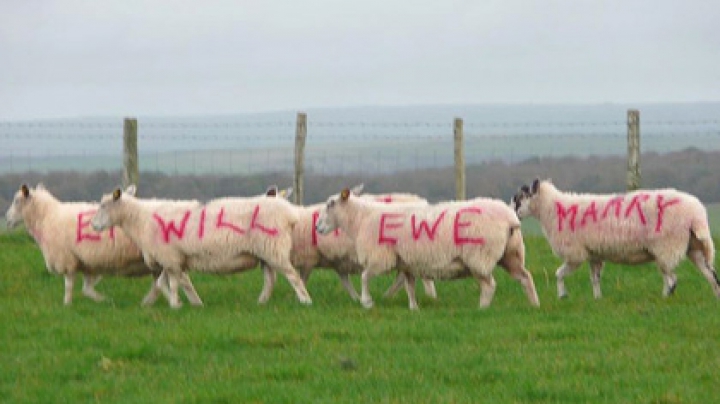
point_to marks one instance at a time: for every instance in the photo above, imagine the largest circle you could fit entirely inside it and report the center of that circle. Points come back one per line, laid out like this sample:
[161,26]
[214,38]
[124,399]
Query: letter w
[417,229]
[169,227]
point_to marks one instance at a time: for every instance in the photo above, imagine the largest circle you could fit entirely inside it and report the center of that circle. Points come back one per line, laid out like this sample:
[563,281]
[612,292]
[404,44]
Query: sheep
[637,227]
[68,244]
[225,235]
[160,284]
[337,251]
[443,241]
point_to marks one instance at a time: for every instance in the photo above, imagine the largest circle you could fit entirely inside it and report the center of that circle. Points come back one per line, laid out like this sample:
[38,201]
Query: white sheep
[336,251]
[641,226]
[225,235]
[444,241]
[69,245]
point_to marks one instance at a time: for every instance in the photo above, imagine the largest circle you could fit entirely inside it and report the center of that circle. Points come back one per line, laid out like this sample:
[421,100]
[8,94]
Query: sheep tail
[701,231]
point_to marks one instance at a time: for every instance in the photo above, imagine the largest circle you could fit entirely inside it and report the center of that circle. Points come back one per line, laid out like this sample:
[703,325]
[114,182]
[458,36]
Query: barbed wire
[343,124]
[338,136]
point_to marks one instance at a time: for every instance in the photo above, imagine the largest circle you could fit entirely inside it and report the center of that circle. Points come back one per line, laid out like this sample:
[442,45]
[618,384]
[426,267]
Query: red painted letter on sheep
[460,240]
[383,239]
[430,231]
[254,224]
[661,210]
[83,224]
[169,227]
[222,223]
[563,212]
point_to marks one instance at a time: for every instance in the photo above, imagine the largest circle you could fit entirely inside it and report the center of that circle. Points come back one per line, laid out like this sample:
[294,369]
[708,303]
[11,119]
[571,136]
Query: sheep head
[523,198]
[13,216]
[328,220]
[110,204]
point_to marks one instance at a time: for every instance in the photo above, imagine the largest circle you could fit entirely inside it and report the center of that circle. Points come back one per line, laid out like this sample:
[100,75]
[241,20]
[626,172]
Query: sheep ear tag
[116,194]
[25,190]
[344,195]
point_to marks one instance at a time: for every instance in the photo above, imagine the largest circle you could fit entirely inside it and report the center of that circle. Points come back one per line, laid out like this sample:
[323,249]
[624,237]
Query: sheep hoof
[563,296]
[368,304]
[95,297]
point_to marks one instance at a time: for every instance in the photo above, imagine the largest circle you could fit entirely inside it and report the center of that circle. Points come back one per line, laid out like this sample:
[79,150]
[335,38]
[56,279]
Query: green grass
[632,346]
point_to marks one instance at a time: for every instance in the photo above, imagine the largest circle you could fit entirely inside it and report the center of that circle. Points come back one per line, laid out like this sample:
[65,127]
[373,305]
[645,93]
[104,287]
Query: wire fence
[247,145]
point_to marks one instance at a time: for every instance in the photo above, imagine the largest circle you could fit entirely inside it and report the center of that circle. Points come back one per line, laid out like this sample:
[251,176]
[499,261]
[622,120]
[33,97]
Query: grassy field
[632,346]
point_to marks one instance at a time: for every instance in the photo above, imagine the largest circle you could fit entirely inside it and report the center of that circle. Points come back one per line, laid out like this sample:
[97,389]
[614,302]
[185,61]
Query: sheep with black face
[663,226]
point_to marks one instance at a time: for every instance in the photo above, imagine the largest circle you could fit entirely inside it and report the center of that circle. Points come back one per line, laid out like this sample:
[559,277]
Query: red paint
[222,223]
[617,203]
[635,204]
[169,227]
[255,225]
[460,240]
[430,231]
[201,227]
[563,212]
[83,224]
[383,239]
[591,211]
[661,210]
[386,199]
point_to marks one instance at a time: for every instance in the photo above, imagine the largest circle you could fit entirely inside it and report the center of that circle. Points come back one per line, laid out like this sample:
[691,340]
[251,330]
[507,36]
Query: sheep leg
[487,289]
[347,284]
[174,299]
[397,284]
[69,284]
[159,284]
[565,269]
[269,277]
[410,290]
[365,297]
[89,282]
[429,286]
[595,271]
[669,278]
[189,290]
[514,264]
[292,276]
[698,258]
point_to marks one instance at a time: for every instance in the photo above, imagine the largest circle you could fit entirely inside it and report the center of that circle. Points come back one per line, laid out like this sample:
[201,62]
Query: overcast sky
[142,57]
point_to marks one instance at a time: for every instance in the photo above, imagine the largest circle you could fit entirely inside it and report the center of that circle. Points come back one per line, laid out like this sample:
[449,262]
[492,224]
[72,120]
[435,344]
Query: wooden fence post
[300,135]
[633,142]
[459,160]
[131,171]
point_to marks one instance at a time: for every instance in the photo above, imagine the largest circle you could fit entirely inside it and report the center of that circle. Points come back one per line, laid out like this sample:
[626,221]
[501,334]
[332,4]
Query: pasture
[631,346]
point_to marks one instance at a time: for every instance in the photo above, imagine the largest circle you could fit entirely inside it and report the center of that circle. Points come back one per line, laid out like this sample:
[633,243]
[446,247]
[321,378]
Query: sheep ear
[272,191]
[40,185]
[525,189]
[285,193]
[116,194]
[131,189]
[25,190]
[345,194]
[357,189]
[535,185]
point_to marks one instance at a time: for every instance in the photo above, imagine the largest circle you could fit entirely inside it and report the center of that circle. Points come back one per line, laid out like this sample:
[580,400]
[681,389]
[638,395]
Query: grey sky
[145,57]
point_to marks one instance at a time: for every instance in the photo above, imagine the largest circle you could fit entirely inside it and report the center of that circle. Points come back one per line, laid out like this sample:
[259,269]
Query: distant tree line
[691,170]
